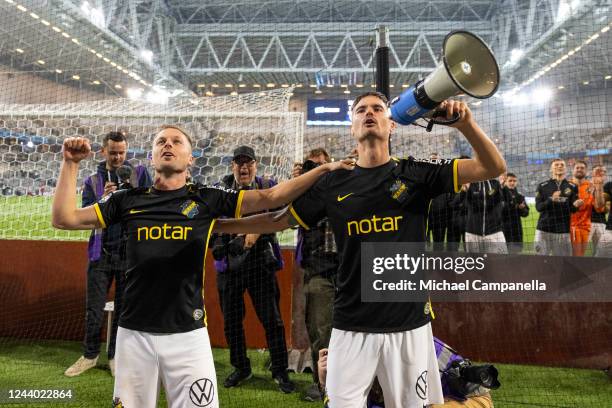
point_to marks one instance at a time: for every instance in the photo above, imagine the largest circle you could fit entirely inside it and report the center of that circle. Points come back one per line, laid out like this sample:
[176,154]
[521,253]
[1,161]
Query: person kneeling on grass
[463,384]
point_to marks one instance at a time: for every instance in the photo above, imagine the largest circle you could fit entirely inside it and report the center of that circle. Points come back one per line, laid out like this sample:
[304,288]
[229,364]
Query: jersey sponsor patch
[202,392]
[198,314]
[189,209]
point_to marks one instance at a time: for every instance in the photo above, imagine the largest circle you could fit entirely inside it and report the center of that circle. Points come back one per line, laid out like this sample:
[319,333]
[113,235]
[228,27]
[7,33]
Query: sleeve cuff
[99,214]
[297,218]
[239,204]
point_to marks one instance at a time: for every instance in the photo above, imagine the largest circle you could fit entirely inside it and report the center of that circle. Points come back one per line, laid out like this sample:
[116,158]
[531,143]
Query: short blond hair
[180,129]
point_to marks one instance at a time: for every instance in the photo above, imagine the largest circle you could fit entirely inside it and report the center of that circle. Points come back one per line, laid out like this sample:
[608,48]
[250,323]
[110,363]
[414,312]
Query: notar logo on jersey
[374,224]
[189,209]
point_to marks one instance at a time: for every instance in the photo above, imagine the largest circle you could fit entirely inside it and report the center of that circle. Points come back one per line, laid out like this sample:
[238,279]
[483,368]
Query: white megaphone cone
[468,66]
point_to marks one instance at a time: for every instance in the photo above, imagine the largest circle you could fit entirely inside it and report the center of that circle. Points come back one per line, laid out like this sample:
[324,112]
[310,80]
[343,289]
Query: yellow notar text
[165,232]
[374,224]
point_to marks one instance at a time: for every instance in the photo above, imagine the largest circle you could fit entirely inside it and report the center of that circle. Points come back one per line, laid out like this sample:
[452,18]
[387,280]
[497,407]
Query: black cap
[244,151]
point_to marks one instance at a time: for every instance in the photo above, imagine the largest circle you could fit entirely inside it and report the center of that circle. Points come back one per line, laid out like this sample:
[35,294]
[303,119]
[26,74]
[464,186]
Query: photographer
[317,254]
[249,263]
[106,249]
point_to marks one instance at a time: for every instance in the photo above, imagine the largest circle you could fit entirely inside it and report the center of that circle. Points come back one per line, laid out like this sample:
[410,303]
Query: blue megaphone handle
[405,109]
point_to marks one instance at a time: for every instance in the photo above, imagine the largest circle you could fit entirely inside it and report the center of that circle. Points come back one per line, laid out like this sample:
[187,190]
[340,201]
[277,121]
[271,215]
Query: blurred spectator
[514,208]
[106,251]
[483,228]
[603,197]
[317,254]
[556,199]
[598,217]
[249,263]
[580,221]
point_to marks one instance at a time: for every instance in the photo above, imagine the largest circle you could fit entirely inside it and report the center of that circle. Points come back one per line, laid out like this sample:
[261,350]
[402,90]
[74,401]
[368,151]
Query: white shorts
[182,361]
[404,362]
[550,243]
[604,249]
[486,244]
[597,231]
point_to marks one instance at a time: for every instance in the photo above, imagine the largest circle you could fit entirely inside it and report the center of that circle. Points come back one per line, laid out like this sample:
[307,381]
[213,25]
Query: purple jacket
[93,188]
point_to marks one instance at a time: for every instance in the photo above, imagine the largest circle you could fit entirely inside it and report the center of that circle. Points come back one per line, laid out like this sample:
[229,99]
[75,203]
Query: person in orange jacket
[580,223]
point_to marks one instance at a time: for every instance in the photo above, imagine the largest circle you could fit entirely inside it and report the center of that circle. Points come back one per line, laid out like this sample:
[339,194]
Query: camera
[124,173]
[309,165]
[465,379]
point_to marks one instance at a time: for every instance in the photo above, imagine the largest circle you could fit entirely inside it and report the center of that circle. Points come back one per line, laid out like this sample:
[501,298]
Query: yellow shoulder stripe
[99,214]
[456,175]
[297,218]
[239,204]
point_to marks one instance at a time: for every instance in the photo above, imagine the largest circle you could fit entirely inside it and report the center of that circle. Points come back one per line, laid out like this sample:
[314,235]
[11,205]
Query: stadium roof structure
[180,44]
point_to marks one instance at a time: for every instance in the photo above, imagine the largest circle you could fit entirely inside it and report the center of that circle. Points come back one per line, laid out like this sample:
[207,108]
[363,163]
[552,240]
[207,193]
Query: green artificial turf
[40,364]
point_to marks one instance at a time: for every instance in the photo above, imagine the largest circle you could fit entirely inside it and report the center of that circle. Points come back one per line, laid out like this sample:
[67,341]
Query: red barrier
[42,295]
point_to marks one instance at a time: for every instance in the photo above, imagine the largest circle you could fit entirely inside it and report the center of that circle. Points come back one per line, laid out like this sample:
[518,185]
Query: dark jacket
[316,251]
[511,214]
[265,252]
[555,216]
[484,208]
[93,189]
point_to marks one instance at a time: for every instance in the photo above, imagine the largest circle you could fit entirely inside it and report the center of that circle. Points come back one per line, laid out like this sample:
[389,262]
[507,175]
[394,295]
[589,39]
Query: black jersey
[607,190]
[387,203]
[555,216]
[167,237]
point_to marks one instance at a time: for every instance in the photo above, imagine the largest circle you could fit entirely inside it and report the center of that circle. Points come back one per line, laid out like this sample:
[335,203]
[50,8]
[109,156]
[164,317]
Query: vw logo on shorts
[421,385]
[202,392]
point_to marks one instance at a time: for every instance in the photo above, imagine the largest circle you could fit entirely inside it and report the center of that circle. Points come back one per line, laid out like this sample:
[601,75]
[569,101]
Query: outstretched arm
[266,223]
[64,211]
[487,162]
[287,191]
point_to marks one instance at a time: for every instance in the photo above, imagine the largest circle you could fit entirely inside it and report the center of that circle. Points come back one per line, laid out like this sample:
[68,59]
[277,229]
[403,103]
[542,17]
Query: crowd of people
[167,223]
[487,216]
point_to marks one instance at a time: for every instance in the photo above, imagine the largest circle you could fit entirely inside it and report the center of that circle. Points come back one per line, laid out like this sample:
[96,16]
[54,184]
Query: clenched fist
[76,149]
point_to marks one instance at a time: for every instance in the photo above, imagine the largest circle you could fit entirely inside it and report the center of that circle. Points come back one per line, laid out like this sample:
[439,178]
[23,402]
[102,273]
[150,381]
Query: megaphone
[468,66]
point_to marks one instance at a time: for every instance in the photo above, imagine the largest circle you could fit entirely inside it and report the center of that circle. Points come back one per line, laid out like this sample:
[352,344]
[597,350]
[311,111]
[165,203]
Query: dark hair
[379,95]
[511,175]
[180,129]
[558,159]
[115,136]
[317,152]
[581,162]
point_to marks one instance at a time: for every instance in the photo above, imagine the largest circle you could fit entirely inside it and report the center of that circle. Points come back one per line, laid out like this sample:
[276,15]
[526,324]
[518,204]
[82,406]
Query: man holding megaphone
[382,200]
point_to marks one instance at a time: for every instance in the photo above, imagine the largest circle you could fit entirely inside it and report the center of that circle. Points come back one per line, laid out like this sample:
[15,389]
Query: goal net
[31,139]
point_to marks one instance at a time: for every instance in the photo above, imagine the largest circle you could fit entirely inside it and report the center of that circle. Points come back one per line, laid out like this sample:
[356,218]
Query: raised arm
[64,211]
[287,191]
[487,162]
[266,223]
